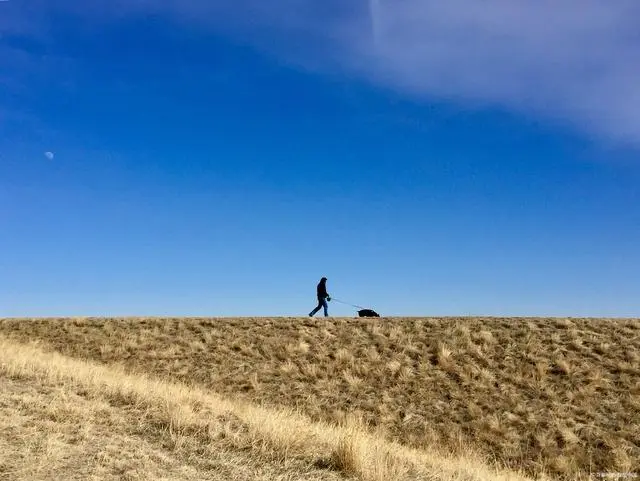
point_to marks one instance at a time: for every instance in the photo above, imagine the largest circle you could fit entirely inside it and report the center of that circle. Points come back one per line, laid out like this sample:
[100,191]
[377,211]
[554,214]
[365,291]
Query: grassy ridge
[554,395]
[71,419]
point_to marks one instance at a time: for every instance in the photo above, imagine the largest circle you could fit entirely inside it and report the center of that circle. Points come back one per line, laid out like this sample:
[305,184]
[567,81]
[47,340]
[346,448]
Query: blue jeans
[321,303]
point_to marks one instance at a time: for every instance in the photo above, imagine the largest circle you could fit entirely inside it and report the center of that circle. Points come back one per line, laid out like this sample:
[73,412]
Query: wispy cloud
[574,61]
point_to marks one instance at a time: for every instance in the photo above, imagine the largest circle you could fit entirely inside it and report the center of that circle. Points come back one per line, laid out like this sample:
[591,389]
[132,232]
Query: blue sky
[196,158]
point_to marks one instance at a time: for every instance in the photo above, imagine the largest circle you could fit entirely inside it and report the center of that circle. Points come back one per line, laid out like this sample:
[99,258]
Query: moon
[49,155]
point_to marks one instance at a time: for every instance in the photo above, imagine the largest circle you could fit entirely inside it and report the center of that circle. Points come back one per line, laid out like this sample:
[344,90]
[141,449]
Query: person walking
[323,297]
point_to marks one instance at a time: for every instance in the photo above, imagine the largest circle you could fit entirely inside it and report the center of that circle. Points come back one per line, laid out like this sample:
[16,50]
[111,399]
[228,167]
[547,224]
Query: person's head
[324,279]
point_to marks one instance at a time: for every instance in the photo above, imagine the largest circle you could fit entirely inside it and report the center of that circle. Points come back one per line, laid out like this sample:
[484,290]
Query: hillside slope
[554,395]
[71,419]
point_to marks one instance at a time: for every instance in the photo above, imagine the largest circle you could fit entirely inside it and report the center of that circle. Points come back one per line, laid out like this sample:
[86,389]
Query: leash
[346,303]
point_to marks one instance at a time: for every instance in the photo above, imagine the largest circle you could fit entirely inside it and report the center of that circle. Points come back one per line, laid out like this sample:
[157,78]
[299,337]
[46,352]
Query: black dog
[368,313]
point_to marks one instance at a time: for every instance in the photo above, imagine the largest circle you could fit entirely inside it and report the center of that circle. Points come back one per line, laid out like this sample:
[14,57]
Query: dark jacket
[322,290]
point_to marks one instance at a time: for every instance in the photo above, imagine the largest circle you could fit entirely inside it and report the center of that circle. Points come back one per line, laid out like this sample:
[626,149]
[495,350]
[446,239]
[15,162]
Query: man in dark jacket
[323,297]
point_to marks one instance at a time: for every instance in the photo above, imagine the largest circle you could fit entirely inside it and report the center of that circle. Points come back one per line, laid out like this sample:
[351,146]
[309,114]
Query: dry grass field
[554,396]
[64,418]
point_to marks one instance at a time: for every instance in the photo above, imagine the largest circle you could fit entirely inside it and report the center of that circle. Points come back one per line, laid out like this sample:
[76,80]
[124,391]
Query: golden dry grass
[560,396]
[71,419]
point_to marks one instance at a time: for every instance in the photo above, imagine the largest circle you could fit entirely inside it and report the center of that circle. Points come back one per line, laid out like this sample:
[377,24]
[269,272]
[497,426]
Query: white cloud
[572,59]
[577,61]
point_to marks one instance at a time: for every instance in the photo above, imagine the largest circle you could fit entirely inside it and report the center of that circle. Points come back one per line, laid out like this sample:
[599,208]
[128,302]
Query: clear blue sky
[198,159]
